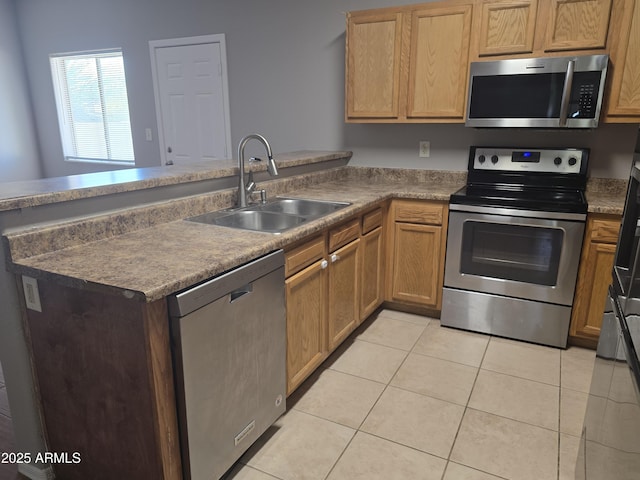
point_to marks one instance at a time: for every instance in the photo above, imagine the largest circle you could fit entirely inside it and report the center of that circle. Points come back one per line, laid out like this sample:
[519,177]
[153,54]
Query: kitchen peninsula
[101,343]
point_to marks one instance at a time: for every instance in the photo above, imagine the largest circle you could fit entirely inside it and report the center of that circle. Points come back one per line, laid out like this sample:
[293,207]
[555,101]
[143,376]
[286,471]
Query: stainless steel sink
[303,207]
[261,221]
[273,217]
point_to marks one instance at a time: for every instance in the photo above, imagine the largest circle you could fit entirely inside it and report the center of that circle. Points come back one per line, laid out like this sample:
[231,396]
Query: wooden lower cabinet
[306,322]
[418,237]
[343,294]
[416,258]
[594,278]
[105,382]
[328,279]
[371,272]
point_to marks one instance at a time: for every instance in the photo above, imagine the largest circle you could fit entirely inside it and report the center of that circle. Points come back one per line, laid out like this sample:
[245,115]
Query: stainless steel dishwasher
[229,346]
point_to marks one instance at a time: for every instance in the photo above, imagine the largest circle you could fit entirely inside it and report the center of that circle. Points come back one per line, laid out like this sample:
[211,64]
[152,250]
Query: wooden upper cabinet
[575,24]
[624,92]
[373,64]
[439,60]
[408,64]
[506,26]
[540,27]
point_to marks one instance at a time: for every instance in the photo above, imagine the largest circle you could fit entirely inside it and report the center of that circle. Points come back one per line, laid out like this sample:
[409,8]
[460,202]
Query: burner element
[544,179]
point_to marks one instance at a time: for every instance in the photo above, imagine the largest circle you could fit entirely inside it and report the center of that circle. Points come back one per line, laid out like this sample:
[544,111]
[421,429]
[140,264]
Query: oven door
[513,256]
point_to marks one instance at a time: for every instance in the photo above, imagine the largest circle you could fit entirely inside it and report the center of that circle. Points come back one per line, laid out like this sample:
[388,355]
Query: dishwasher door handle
[240,292]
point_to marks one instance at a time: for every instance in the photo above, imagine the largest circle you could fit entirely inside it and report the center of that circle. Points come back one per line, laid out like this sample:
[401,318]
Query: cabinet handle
[324,264]
[335,258]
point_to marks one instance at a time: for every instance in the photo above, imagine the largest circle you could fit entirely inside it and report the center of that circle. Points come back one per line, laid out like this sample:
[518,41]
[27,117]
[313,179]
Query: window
[93,109]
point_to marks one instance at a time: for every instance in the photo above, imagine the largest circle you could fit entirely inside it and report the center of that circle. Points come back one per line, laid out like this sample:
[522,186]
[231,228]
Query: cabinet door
[306,320]
[624,96]
[594,278]
[507,27]
[373,65]
[591,291]
[439,60]
[343,292]
[416,264]
[575,24]
[371,272]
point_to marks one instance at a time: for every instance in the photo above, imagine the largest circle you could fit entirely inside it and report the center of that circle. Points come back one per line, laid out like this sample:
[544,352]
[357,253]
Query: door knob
[335,258]
[324,264]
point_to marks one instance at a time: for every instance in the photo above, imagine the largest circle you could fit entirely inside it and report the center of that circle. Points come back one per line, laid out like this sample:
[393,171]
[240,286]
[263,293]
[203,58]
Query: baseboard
[35,473]
[416,309]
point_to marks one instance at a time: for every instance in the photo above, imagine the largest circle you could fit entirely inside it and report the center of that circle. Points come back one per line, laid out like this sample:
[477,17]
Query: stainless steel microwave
[552,92]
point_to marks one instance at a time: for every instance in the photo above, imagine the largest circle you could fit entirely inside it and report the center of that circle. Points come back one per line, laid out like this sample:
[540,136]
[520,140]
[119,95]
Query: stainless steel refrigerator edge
[610,443]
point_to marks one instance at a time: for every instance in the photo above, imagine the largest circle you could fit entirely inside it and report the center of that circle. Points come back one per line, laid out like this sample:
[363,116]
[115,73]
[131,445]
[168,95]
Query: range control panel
[563,161]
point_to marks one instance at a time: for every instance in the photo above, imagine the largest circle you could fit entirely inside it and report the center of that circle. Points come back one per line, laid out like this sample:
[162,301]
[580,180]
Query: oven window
[511,252]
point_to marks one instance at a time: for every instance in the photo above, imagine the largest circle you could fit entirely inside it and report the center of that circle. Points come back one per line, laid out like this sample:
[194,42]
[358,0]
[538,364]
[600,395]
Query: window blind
[93,106]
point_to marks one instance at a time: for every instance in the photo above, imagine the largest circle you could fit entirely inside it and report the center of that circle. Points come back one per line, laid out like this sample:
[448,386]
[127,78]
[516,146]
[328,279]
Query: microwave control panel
[563,161]
[584,95]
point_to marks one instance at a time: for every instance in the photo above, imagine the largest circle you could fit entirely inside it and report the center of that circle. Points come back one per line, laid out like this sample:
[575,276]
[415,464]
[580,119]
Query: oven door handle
[515,212]
[566,93]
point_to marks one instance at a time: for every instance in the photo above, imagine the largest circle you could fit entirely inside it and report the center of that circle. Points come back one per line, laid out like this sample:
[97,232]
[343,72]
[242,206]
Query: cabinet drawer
[371,220]
[418,212]
[303,256]
[343,234]
[605,231]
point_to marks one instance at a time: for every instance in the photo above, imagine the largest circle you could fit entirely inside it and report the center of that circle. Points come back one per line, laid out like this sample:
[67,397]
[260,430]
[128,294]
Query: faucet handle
[255,159]
[251,184]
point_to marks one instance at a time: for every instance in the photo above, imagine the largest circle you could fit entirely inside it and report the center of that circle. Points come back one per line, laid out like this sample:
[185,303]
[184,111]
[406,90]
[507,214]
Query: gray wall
[286,80]
[19,159]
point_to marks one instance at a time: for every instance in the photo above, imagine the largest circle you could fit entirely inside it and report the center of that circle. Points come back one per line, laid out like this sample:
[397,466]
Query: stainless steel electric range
[514,241]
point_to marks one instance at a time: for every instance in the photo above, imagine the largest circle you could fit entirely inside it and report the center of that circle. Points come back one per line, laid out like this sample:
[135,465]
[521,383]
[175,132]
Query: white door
[192,103]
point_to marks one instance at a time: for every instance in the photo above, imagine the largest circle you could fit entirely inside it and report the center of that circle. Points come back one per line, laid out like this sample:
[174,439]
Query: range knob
[573,161]
[557,160]
[494,159]
[481,158]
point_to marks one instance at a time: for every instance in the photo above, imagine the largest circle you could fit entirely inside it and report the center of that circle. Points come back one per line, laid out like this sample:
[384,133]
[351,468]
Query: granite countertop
[30,193]
[169,256]
[606,203]
[606,195]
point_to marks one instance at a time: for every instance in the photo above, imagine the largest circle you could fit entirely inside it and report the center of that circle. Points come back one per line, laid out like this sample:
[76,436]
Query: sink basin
[253,220]
[303,207]
[274,217]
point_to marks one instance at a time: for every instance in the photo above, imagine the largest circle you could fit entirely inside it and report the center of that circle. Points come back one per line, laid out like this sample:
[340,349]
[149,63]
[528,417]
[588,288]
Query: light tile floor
[404,398]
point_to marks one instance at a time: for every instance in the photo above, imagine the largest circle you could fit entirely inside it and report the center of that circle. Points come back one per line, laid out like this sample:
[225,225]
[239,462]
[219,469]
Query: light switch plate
[31,293]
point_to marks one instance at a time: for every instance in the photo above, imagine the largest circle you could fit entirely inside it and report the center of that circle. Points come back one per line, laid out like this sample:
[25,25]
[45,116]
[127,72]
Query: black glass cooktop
[524,198]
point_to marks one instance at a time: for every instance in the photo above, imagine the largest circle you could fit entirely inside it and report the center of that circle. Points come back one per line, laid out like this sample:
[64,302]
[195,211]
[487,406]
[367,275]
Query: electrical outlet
[148,135]
[31,293]
[425,149]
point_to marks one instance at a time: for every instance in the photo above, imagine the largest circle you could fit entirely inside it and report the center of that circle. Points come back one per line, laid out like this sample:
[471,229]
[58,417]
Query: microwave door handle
[566,93]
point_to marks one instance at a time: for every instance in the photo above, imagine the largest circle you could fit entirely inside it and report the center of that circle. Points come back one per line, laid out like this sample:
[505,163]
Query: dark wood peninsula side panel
[105,378]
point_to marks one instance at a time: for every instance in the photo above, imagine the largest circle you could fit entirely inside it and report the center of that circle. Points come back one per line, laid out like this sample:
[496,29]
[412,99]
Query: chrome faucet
[244,190]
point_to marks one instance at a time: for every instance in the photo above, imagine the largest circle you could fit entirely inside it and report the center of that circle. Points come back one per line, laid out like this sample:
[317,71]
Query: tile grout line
[386,386]
[466,406]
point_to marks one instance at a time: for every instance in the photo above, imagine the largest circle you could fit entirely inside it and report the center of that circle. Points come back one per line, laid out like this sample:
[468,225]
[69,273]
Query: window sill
[122,163]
